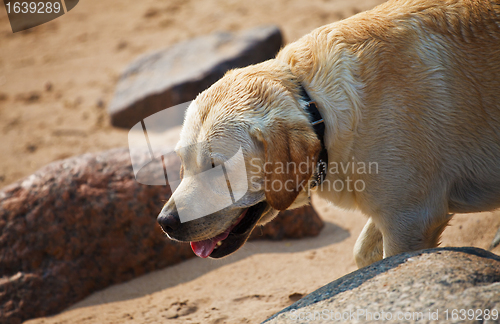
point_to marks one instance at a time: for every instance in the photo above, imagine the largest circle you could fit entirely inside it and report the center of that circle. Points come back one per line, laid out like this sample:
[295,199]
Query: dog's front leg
[408,236]
[369,245]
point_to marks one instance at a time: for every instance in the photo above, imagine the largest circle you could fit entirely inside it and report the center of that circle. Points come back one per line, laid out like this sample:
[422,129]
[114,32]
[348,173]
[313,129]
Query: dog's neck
[318,125]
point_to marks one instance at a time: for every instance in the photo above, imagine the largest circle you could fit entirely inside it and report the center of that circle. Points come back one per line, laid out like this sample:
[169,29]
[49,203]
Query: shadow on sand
[196,267]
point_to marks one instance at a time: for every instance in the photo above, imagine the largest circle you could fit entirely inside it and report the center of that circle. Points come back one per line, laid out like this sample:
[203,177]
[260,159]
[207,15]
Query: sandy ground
[55,83]
[252,284]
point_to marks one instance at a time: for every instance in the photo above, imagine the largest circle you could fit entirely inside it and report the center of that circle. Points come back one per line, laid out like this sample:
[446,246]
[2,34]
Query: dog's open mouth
[233,237]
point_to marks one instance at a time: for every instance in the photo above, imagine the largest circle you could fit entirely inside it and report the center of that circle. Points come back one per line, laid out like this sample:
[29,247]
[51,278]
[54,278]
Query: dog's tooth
[219,243]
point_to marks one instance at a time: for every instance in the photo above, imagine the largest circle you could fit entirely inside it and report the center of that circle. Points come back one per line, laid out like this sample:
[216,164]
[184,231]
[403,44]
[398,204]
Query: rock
[296,223]
[410,287]
[84,223]
[177,74]
[76,226]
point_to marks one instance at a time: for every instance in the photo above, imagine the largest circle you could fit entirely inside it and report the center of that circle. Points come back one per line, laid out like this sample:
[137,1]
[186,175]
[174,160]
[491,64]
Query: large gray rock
[427,286]
[84,223]
[177,74]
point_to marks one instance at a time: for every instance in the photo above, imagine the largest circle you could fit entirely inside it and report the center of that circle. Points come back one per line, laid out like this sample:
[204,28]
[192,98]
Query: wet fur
[411,85]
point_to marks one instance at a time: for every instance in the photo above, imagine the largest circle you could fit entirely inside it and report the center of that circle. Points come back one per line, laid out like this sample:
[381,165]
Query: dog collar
[318,125]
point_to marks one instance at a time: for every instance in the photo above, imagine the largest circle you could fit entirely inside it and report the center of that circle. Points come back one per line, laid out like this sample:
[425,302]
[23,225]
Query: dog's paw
[495,241]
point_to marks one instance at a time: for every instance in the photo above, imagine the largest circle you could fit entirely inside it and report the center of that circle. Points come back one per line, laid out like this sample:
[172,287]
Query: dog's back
[415,87]
[423,80]
[448,89]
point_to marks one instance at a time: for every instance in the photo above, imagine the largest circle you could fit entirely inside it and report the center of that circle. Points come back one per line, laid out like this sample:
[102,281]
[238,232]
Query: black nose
[169,221]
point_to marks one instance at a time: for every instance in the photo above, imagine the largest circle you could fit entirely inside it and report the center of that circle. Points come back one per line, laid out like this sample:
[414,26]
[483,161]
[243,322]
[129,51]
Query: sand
[55,83]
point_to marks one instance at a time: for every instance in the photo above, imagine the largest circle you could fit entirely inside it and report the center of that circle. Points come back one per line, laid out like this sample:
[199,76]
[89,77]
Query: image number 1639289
[28,14]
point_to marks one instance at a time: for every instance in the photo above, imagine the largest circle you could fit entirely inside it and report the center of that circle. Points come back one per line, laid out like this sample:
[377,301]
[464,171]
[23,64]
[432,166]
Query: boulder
[84,223]
[76,226]
[179,73]
[291,224]
[453,285]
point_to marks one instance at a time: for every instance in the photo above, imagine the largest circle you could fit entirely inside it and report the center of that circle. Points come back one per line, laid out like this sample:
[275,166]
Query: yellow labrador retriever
[410,88]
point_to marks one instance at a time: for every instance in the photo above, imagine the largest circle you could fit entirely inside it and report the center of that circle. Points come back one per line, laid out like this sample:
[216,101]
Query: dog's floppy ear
[290,156]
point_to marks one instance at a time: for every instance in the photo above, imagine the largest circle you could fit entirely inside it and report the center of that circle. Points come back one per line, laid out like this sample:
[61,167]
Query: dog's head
[252,128]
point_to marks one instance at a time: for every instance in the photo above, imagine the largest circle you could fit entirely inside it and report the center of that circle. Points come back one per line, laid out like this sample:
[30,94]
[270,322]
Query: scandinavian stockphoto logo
[27,14]
[217,175]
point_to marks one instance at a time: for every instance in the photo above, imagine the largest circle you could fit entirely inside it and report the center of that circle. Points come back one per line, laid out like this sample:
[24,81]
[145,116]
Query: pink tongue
[204,248]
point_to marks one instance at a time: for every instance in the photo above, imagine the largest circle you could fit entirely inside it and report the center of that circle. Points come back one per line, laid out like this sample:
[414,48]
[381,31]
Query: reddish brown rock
[82,224]
[76,226]
[294,224]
